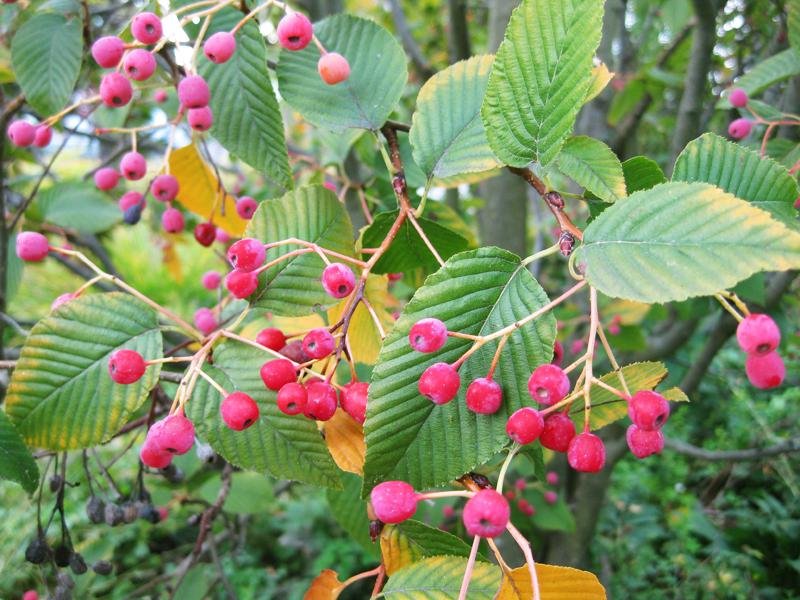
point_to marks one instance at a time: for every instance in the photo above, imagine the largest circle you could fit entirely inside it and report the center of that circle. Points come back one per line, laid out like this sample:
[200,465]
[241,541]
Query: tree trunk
[459,47]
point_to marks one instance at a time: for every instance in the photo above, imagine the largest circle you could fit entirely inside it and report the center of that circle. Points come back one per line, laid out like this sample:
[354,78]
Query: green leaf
[312,214]
[447,133]
[46,55]
[626,100]
[378,75]
[553,517]
[767,73]
[77,205]
[440,577]
[14,267]
[784,212]
[350,511]
[679,240]
[594,166]
[540,78]
[408,251]
[793,8]
[641,173]
[288,447]
[16,462]
[61,396]
[476,292]
[247,118]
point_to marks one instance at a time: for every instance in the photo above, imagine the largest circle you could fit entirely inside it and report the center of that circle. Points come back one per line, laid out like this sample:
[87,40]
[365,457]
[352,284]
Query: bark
[458,43]
[319,9]
[413,50]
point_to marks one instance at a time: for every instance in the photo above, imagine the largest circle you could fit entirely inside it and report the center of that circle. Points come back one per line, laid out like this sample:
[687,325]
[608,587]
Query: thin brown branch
[786,447]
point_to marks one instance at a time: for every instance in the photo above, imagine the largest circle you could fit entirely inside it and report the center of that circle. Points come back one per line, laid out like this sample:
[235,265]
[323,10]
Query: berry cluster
[759,336]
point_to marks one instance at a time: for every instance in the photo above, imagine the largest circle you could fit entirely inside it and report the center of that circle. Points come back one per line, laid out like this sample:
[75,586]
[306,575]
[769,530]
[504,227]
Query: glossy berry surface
[115,90]
[271,338]
[484,396]
[132,215]
[740,128]
[154,457]
[239,411]
[318,343]
[241,283]
[393,501]
[32,246]
[277,373]
[193,92]
[21,133]
[486,514]
[586,453]
[294,31]
[321,401]
[333,68]
[559,430]
[133,166]
[43,136]
[354,400]
[126,366]
[765,371]
[439,383]
[292,398]
[338,280]
[205,234]
[758,334]
[428,335]
[200,119]
[525,425]
[247,254]
[139,64]
[548,384]
[165,188]
[146,28]
[173,434]
[738,98]
[172,220]
[245,207]
[107,51]
[220,47]
[648,410]
[205,320]
[106,178]
[644,443]
[211,280]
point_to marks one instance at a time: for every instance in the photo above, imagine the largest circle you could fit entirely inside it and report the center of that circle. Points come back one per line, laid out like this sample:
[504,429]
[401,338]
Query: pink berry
[510,494]
[165,188]
[738,98]
[520,484]
[525,425]
[132,198]
[271,338]
[200,119]
[221,236]
[428,335]
[526,508]
[239,411]
[644,443]
[558,353]
[550,497]
[548,384]
[448,511]
[173,434]
[354,400]
[163,513]
[321,401]
[648,410]
[193,92]
[146,28]
[330,186]
[245,207]
[205,320]
[277,373]
[295,31]
[154,457]
[43,136]
[614,329]
[30,594]
[292,398]
[211,280]
[107,51]
[126,366]
[439,383]
[160,96]
[740,128]
[241,283]
[559,430]
[247,254]
[765,371]
[106,178]
[62,299]
[21,133]
[395,276]
[552,478]
[139,65]
[220,47]
[32,246]
[205,234]
[586,453]
[338,280]
[484,396]
[393,501]
[318,343]
[486,514]
[333,68]
[172,220]
[758,334]
[133,166]
[115,90]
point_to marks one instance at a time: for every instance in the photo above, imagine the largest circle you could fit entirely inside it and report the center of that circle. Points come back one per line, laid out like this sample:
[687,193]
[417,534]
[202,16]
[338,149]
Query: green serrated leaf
[594,166]
[61,396]
[641,173]
[16,461]
[540,78]
[350,511]
[767,73]
[440,577]
[793,10]
[77,205]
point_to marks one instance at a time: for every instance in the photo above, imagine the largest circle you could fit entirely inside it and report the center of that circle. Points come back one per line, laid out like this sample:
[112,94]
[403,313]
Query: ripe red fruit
[321,401]
[520,484]
[525,425]
[484,396]
[139,64]
[644,443]
[153,457]
[247,254]
[439,383]
[115,90]
[738,98]
[107,51]
[295,31]
[526,508]
[32,246]
[292,398]
[200,119]
[126,366]
[193,92]
[173,434]
[393,501]
[205,234]
[586,453]
[221,236]
[133,166]
[765,371]
[559,430]
[245,207]
[552,478]
[428,335]
[211,280]
[758,334]
[160,96]
[106,178]
[648,410]
[43,136]
[395,276]
[146,28]
[548,384]
[318,343]
[205,320]
[740,128]
[333,68]
[165,188]
[239,411]
[550,497]
[21,133]
[338,280]
[277,373]
[30,594]
[132,198]
[241,283]
[220,47]
[486,514]
[354,400]
[172,220]
[271,338]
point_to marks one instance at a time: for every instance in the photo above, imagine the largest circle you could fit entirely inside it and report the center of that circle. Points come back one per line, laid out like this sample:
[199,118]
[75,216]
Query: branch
[555,203]
[458,39]
[786,447]
[413,50]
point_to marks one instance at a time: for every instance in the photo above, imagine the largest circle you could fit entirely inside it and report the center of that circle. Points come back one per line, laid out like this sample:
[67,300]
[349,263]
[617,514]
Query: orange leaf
[173,262]
[555,583]
[345,439]
[326,586]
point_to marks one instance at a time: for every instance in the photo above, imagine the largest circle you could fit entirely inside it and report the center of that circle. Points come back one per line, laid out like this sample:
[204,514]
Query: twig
[789,446]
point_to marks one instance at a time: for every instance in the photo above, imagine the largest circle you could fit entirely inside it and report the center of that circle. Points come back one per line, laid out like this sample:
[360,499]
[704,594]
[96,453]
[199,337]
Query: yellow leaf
[629,312]
[555,583]
[199,190]
[600,78]
[397,550]
[345,439]
[326,586]
[173,262]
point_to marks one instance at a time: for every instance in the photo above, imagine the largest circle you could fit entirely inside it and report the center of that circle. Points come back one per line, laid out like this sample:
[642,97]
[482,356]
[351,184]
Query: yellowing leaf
[555,583]
[326,586]
[345,439]
[600,78]
[628,311]
[173,262]
[397,550]
[199,190]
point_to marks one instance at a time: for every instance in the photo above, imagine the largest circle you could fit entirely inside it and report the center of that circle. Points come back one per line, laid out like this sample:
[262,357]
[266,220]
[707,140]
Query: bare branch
[787,447]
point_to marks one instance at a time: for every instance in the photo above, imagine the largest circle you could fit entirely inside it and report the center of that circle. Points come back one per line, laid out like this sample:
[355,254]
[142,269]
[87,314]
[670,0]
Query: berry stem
[362,198]
[575,364]
[447,494]
[498,557]
[496,357]
[371,573]
[374,316]
[609,388]
[53,119]
[211,382]
[506,463]
[169,359]
[464,336]
[587,368]
[737,301]
[257,10]
[473,554]
[554,249]
[611,358]
[727,306]
[525,546]
[319,249]
[424,237]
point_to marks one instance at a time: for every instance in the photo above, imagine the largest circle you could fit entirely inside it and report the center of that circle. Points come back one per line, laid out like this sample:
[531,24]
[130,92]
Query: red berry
[205,234]
[139,65]
[525,425]
[439,383]
[393,501]
[765,371]
[295,31]
[133,166]
[552,478]
[395,276]
[586,453]
[62,299]
[241,283]
[245,207]
[448,511]
[163,513]
[271,338]
[559,430]
[32,246]
[520,484]
[30,594]
[221,236]
[758,334]
[277,373]
[740,128]
[338,280]
[548,384]
[115,90]
[526,508]
[558,353]
[146,28]
[106,178]
[333,68]
[738,98]
[172,220]
[173,434]
[354,400]
[21,133]
[648,410]
[211,280]
[321,401]
[107,51]
[132,198]
[644,443]
[239,411]
[550,497]
[43,136]
[294,351]
[220,47]
[247,254]
[160,96]
[486,514]
[428,335]
[165,188]
[318,343]
[200,119]
[205,320]
[292,398]
[484,396]
[193,92]
[153,457]
[126,366]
